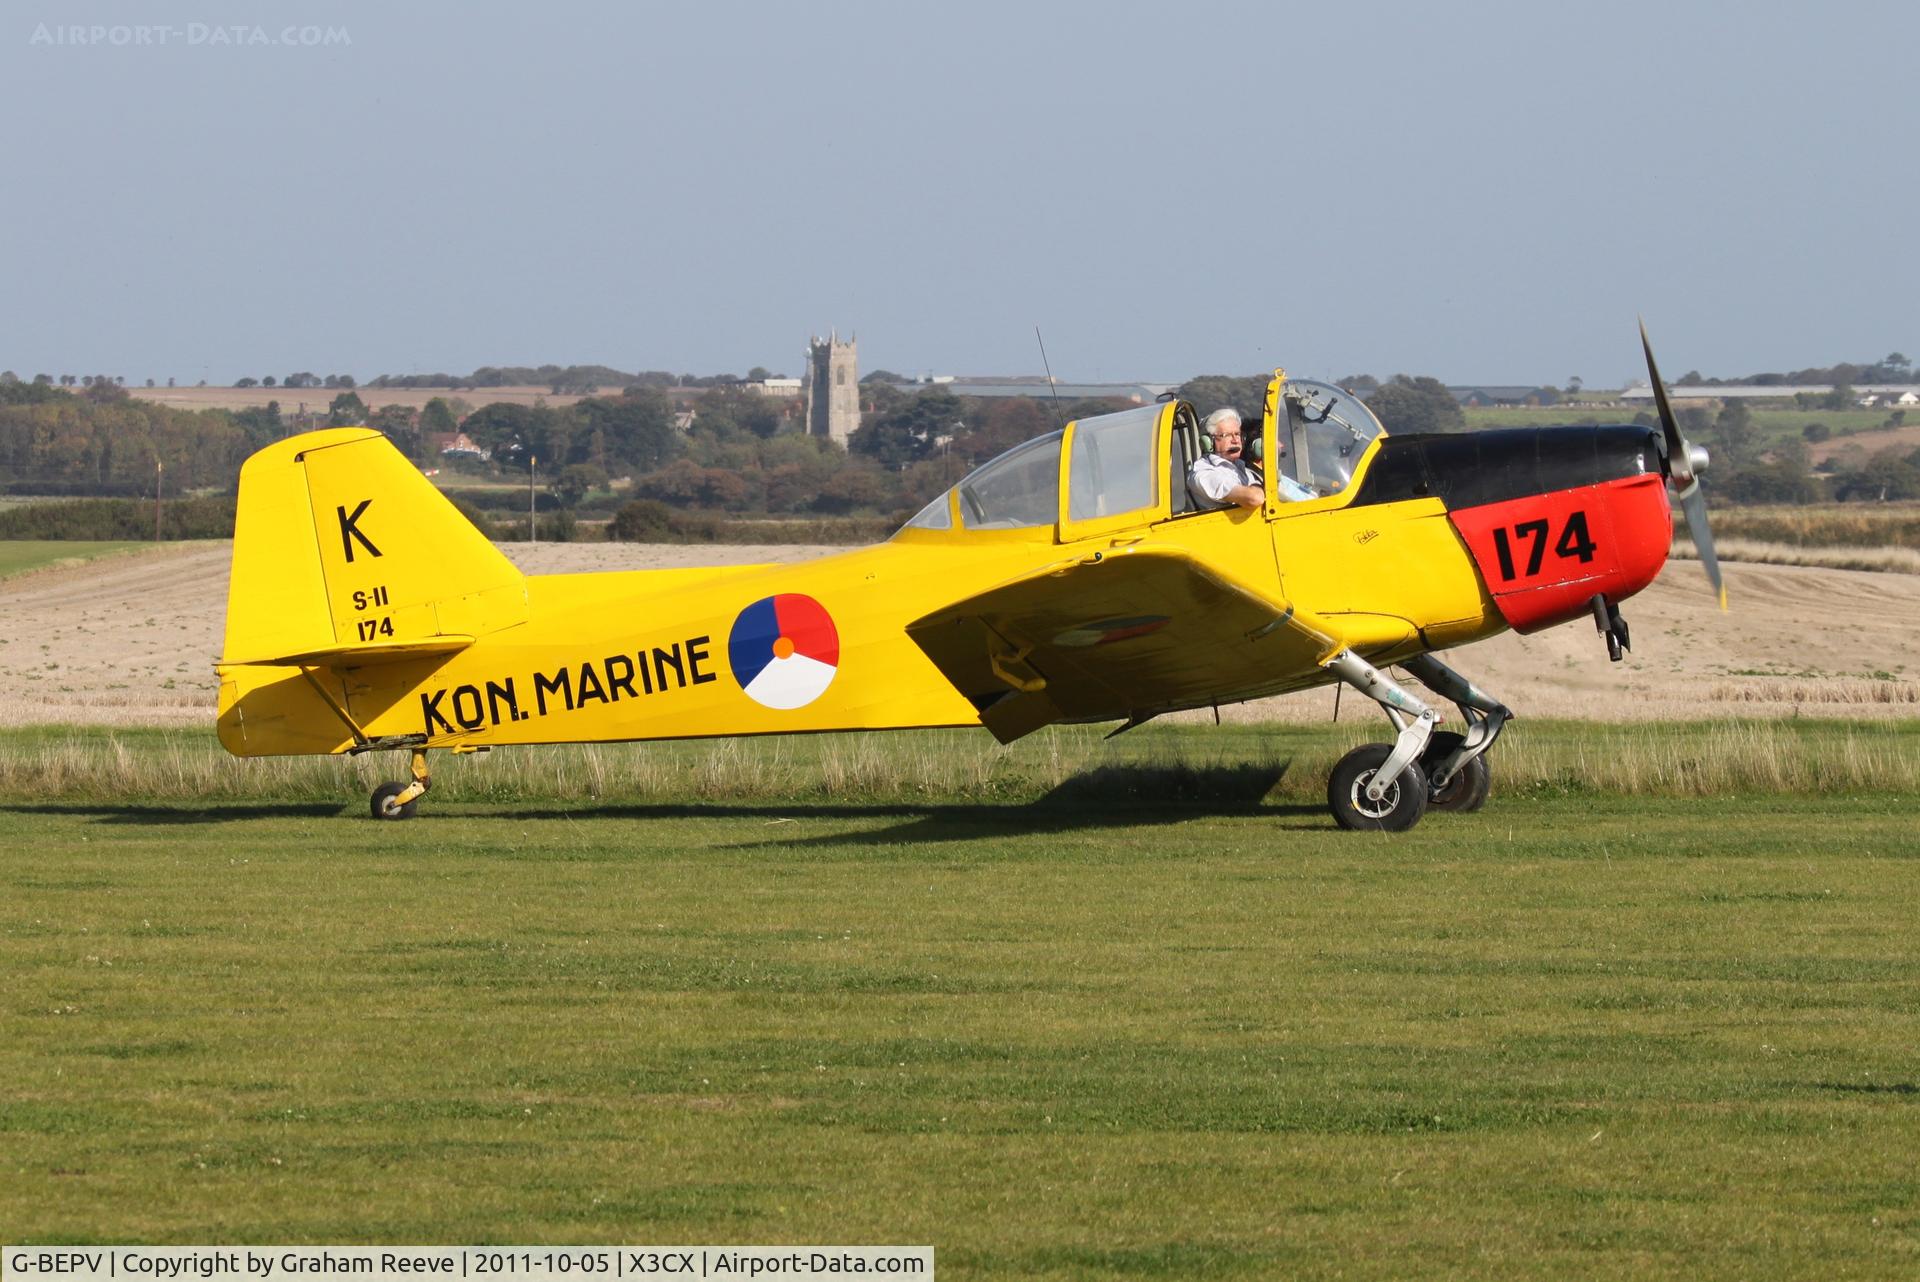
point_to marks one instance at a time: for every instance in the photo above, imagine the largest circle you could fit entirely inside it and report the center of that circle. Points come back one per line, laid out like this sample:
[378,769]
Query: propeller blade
[1679,464]
[1684,464]
[1694,504]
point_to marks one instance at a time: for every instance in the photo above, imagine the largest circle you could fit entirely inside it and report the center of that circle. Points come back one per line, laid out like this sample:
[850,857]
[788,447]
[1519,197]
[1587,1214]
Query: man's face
[1226,440]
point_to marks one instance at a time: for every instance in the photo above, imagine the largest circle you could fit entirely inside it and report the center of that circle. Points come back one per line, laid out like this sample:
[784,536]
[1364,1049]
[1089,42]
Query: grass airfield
[1149,1018]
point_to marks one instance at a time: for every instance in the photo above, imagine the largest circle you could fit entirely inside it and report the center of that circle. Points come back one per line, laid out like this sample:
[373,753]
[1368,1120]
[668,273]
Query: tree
[513,433]
[346,410]
[573,482]
[1840,398]
[267,381]
[759,374]
[1816,432]
[996,426]
[909,432]
[1574,385]
[641,521]
[1734,435]
[1417,404]
[301,379]
[247,382]
[636,428]
[436,419]
[1209,392]
[397,422]
[261,423]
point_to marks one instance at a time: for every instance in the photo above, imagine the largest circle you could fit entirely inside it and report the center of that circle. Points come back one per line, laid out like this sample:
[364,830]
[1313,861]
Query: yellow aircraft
[1074,578]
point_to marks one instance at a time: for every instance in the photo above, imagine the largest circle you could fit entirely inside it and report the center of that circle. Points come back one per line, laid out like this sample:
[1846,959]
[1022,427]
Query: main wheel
[1468,789]
[384,806]
[1399,807]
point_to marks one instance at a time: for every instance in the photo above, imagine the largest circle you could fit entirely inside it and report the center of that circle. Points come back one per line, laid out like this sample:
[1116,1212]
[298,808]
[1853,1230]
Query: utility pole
[533,465]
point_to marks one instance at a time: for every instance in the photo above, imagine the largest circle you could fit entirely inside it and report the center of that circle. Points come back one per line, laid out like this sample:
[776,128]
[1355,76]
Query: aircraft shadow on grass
[1118,796]
[1106,797]
[184,813]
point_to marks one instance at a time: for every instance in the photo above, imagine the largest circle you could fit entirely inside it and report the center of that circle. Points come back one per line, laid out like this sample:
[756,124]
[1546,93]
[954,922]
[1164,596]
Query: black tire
[1400,809]
[1467,790]
[383,807]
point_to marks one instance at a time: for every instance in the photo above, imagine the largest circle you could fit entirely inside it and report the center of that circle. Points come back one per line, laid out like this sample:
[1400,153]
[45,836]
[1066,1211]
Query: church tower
[833,387]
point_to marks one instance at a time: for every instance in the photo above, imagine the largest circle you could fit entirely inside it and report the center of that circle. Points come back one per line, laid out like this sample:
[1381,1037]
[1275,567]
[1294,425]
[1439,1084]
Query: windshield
[1331,430]
[1020,488]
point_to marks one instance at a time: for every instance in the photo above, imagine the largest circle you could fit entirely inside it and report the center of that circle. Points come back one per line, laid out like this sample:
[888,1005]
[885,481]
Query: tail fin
[341,547]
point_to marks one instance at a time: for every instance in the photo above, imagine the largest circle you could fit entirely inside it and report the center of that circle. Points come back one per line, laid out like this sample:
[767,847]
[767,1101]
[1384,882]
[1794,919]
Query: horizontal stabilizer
[365,654]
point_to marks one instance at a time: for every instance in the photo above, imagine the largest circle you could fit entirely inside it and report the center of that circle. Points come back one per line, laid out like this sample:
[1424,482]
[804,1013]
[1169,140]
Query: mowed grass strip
[18,556]
[1096,1035]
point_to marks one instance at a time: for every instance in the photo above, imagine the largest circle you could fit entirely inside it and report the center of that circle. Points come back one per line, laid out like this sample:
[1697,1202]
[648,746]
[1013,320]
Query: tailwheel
[1397,809]
[1467,790]
[387,803]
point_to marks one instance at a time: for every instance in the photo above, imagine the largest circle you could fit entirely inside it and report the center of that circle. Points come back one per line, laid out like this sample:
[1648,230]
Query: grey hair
[1220,416]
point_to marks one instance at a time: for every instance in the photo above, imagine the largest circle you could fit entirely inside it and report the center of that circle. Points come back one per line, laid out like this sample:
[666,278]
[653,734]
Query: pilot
[1224,479]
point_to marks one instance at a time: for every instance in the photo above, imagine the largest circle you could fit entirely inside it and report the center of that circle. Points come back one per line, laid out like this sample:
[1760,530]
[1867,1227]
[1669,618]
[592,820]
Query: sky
[1484,192]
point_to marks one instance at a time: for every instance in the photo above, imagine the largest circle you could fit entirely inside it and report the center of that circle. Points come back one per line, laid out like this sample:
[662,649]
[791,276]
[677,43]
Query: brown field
[317,399]
[1905,437]
[131,641]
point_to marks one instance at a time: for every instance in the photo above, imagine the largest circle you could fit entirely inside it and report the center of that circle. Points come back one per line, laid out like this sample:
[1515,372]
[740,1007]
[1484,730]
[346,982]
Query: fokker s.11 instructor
[1071,579]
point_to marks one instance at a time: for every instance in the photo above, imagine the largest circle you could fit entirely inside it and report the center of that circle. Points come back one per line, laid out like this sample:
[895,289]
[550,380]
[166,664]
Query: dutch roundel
[784,650]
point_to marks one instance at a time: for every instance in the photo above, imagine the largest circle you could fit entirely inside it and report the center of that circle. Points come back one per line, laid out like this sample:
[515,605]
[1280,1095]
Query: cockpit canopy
[1133,464]
[1330,428]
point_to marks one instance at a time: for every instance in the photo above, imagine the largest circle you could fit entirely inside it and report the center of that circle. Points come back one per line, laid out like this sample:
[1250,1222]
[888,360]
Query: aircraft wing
[1121,633]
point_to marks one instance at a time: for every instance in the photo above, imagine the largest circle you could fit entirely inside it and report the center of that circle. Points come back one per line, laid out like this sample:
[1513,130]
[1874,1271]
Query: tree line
[744,453]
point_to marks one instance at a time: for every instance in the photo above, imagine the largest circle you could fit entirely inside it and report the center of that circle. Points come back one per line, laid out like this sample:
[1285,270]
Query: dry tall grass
[1865,525]
[1636,760]
[1894,560]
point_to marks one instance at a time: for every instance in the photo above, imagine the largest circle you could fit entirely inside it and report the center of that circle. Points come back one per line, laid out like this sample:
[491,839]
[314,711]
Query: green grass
[20,555]
[1157,1020]
[1184,762]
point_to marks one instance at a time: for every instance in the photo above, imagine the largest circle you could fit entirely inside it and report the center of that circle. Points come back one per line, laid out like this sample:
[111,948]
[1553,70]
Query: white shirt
[1211,477]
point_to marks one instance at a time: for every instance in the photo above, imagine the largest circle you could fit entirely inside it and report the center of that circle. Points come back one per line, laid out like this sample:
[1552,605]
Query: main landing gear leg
[1457,768]
[398,800]
[1377,786]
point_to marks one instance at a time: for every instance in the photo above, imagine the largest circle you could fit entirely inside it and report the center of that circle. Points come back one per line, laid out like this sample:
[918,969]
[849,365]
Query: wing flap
[1123,633]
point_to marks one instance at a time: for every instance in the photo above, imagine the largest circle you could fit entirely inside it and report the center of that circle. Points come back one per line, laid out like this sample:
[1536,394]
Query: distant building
[782,387]
[1040,389]
[459,445]
[833,387]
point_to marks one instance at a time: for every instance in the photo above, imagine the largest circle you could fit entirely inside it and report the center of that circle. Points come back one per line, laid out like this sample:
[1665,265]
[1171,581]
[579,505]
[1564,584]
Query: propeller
[1685,462]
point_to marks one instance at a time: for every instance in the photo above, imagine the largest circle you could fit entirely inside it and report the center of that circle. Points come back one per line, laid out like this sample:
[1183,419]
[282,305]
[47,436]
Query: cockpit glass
[1113,464]
[937,515]
[1331,430]
[1020,488]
